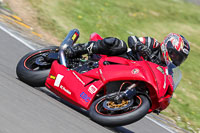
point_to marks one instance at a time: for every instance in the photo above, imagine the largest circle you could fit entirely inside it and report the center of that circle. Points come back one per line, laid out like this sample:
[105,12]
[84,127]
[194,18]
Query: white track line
[31,47]
[159,124]
[17,38]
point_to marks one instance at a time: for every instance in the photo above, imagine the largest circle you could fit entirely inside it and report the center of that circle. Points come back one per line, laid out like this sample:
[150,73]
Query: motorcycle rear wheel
[30,72]
[111,118]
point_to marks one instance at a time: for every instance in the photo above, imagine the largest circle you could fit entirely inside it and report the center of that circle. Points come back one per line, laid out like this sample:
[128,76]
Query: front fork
[128,94]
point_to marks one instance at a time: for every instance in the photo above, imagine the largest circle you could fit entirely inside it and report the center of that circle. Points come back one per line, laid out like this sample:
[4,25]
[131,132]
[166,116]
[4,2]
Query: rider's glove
[79,49]
[143,50]
[138,47]
[70,53]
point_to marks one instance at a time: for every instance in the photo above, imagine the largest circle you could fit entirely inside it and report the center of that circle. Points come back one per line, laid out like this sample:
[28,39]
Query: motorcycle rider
[174,49]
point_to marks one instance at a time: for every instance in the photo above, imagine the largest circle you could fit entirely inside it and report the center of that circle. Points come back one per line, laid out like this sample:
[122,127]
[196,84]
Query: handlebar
[69,40]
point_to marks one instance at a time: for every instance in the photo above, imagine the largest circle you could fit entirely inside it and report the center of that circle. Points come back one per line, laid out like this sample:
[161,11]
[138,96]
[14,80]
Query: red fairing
[164,85]
[95,37]
[71,85]
[81,89]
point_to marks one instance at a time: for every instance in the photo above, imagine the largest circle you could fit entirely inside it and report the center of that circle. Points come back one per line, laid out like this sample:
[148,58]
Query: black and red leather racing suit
[114,47]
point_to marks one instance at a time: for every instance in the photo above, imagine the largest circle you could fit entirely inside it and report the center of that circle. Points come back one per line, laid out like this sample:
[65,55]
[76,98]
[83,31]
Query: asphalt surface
[24,109]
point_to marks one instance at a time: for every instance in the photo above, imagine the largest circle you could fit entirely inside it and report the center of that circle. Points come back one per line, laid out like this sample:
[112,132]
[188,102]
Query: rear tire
[113,120]
[25,70]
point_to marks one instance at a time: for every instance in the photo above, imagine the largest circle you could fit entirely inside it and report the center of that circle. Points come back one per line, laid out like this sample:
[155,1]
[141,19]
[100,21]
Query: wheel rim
[37,62]
[109,108]
[110,105]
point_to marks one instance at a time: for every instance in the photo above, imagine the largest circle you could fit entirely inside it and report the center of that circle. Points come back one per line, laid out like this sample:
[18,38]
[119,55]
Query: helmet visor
[176,56]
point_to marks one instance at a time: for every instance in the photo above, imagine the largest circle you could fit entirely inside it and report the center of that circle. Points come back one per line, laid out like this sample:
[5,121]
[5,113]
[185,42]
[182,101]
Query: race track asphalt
[24,109]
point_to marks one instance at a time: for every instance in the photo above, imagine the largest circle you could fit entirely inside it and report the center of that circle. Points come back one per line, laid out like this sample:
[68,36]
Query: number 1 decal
[58,80]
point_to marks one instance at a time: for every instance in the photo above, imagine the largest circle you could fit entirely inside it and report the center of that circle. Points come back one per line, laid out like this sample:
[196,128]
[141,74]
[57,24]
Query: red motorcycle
[116,91]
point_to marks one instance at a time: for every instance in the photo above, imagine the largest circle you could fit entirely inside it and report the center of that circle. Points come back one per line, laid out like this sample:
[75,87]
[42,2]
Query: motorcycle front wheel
[33,69]
[108,113]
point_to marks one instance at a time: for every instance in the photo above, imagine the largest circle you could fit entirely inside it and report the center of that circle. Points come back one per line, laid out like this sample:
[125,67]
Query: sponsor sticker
[92,89]
[185,51]
[161,69]
[74,37]
[58,81]
[85,97]
[67,91]
[78,78]
[52,77]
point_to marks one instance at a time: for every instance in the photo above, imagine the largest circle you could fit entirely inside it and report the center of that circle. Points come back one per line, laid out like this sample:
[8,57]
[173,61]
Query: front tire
[112,118]
[30,72]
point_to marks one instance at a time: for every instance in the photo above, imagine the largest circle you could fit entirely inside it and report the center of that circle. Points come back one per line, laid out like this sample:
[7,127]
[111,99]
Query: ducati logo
[135,71]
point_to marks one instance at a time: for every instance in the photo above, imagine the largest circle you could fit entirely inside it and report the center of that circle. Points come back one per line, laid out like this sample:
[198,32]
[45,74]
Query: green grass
[155,18]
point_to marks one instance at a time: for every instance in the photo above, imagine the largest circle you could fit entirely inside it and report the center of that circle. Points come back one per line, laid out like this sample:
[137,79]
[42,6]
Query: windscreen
[176,74]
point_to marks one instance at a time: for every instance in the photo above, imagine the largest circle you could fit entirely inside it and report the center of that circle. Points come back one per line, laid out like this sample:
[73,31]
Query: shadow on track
[81,110]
